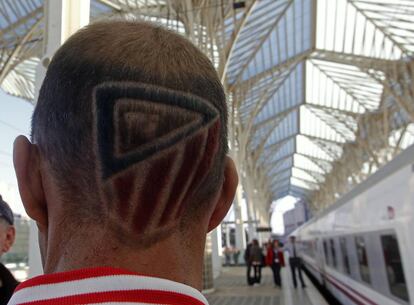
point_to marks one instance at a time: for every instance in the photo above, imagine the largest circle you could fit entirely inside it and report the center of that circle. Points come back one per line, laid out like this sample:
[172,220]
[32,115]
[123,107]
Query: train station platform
[231,289]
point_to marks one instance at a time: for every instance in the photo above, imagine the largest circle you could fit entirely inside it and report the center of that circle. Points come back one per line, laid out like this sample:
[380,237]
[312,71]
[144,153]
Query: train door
[405,240]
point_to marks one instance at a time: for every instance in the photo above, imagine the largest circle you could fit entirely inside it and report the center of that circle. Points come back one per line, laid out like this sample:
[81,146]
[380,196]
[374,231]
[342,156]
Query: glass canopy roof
[312,83]
[313,70]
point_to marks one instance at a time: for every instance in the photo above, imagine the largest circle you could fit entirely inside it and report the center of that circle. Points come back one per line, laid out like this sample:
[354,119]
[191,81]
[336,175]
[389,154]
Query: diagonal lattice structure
[320,91]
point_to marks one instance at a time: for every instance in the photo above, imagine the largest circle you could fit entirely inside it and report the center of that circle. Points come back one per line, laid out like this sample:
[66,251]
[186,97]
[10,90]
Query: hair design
[155,146]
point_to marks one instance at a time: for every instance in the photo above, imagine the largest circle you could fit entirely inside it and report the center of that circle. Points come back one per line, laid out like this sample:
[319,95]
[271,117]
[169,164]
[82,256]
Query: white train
[362,248]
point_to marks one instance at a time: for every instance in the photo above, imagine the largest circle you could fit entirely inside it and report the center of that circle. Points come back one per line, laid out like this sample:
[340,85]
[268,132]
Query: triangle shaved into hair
[135,121]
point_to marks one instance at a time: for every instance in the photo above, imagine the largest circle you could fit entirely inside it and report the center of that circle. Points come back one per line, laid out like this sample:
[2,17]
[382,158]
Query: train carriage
[361,247]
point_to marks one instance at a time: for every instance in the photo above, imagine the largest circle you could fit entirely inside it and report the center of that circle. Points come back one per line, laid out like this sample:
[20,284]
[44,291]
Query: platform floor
[231,289]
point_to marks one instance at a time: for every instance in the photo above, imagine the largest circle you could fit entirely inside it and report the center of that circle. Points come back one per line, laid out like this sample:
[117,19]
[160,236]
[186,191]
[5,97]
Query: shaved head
[131,120]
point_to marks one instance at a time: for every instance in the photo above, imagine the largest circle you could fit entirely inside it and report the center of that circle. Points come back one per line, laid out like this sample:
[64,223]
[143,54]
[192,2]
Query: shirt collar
[104,284]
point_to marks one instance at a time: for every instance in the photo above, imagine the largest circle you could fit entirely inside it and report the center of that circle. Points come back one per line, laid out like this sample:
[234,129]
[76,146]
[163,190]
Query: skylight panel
[281,176]
[395,18]
[305,146]
[278,167]
[312,125]
[345,27]
[302,184]
[341,86]
[403,137]
[299,173]
[300,161]
[290,37]
[288,94]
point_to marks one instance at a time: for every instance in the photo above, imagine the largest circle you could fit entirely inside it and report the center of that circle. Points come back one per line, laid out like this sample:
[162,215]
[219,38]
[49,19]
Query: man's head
[292,239]
[7,231]
[129,137]
[276,243]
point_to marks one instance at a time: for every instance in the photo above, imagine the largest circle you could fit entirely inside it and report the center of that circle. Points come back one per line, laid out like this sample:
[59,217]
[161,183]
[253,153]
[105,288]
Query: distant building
[19,253]
[295,217]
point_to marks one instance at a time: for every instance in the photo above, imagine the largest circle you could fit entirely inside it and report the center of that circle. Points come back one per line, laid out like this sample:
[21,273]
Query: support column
[35,261]
[251,213]
[227,235]
[251,228]
[217,253]
[62,19]
[238,217]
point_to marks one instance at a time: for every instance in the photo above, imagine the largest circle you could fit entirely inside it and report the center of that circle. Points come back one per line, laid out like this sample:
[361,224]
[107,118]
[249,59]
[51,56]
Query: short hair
[3,222]
[111,93]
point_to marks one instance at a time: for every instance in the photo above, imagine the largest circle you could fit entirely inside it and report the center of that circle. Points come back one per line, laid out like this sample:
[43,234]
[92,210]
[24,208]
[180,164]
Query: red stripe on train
[337,283]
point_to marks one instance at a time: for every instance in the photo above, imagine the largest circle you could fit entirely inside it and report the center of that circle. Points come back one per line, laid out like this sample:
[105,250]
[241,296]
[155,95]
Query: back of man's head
[131,120]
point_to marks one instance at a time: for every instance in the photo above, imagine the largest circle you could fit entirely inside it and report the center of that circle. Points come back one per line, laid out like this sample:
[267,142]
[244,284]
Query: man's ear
[10,236]
[228,189]
[26,161]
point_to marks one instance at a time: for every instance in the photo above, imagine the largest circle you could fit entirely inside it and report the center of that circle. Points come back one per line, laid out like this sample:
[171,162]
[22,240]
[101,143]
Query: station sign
[263,229]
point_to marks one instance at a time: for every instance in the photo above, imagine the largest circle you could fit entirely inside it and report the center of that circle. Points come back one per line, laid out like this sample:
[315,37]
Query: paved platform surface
[231,289]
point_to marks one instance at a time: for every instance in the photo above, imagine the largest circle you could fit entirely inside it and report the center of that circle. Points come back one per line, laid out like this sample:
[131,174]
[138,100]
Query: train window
[325,250]
[304,247]
[394,267]
[333,253]
[345,257]
[362,259]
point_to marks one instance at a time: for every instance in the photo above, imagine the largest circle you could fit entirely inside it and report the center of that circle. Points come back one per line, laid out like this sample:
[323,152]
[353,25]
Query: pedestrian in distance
[276,261]
[256,260]
[227,255]
[250,280]
[7,235]
[295,261]
[236,254]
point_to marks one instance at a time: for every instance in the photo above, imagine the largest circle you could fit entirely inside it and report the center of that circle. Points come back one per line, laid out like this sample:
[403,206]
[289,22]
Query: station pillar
[251,211]
[217,251]
[238,218]
[228,231]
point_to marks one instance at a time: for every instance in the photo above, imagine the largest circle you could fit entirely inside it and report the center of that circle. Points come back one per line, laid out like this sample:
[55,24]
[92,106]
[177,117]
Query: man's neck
[167,259]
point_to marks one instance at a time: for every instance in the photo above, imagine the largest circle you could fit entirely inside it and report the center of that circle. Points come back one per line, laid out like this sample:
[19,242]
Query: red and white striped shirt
[104,285]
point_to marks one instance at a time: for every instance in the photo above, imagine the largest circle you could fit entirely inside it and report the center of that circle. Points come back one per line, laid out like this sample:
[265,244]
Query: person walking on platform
[248,264]
[227,255]
[127,168]
[236,254]
[295,261]
[255,259]
[275,260]
[7,234]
